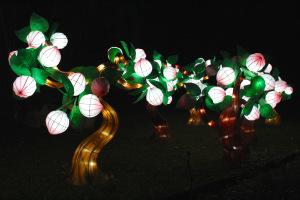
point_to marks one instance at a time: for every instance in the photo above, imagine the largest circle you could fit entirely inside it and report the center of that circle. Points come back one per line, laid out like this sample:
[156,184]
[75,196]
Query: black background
[190,29]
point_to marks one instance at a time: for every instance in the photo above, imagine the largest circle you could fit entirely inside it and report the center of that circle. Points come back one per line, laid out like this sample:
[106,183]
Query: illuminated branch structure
[241,89]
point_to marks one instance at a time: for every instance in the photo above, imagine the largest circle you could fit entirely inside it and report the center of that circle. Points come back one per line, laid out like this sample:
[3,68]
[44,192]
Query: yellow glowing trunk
[84,162]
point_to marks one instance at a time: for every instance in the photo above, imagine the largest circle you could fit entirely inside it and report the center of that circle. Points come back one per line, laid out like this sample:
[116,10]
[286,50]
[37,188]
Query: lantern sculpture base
[84,162]
[196,117]
[160,125]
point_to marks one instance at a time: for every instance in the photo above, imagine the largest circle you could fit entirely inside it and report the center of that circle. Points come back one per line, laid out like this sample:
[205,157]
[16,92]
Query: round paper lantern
[139,54]
[255,62]
[253,115]
[225,76]
[11,54]
[268,68]
[49,56]
[269,81]
[90,106]
[78,82]
[280,86]
[143,67]
[169,73]
[59,40]
[57,122]
[154,96]
[216,94]
[100,86]
[288,90]
[24,86]
[35,39]
[244,83]
[273,98]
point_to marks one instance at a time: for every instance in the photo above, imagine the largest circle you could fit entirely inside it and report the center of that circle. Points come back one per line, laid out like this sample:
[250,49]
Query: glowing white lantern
[57,122]
[169,73]
[170,99]
[244,83]
[273,98]
[217,94]
[90,106]
[154,96]
[255,62]
[229,91]
[35,39]
[268,68]
[269,80]
[78,82]
[49,56]
[143,67]
[225,76]
[59,40]
[288,90]
[139,54]
[24,86]
[11,54]
[280,86]
[254,114]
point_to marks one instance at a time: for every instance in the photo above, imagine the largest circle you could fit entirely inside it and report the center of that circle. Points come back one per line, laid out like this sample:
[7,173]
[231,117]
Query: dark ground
[35,165]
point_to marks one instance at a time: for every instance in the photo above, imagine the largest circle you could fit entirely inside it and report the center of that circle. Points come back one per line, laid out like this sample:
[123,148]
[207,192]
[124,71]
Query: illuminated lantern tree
[241,89]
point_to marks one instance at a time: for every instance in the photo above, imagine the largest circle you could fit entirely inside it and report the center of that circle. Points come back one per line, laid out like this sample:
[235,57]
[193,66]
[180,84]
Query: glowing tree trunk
[235,133]
[160,124]
[84,162]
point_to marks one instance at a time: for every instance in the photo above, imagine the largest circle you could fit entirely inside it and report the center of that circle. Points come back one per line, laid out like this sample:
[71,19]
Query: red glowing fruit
[100,86]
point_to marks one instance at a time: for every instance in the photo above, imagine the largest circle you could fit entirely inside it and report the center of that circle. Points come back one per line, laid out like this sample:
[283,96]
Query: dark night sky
[189,28]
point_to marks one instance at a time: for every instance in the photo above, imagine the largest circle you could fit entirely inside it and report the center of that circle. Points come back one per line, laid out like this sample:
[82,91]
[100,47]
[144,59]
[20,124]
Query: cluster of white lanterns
[50,55]
[57,121]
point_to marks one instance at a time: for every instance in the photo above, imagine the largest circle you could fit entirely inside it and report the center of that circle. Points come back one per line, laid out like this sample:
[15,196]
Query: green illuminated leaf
[24,61]
[125,47]
[172,59]
[38,23]
[113,52]
[157,84]
[89,72]
[22,33]
[193,89]
[156,55]
[267,111]
[75,117]
[39,75]
[132,51]
[62,78]
[142,95]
